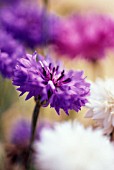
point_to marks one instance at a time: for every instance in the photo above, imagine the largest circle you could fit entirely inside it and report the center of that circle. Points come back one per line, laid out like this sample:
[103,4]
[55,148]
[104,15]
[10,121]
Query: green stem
[97,69]
[34,120]
[33,129]
[112,136]
[46,2]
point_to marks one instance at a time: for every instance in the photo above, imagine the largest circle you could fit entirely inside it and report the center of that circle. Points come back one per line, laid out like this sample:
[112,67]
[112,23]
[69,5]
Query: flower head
[50,83]
[20,135]
[83,149]
[9,2]
[28,23]
[101,104]
[88,36]
[10,51]
[7,43]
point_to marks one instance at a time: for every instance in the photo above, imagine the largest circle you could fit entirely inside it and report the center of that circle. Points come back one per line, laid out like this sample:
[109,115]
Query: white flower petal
[89,113]
[101,103]
[69,146]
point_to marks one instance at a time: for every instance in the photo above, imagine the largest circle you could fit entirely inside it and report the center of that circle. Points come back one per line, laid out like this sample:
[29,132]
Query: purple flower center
[50,83]
[52,75]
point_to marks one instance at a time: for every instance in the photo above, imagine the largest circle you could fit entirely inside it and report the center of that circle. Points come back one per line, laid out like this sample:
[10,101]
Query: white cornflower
[101,104]
[69,146]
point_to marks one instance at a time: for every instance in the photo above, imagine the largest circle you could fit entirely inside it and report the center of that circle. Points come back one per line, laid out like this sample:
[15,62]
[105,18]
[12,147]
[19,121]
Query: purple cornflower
[7,43]
[67,40]
[6,2]
[28,23]
[50,83]
[10,50]
[88,36]
[20,135]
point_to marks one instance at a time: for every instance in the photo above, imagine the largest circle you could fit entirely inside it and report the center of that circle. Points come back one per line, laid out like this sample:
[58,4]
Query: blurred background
[79,33]
[14,108]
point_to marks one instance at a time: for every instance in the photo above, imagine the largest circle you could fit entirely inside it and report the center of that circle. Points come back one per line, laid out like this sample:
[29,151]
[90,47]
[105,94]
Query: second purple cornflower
[10,51]
[51,84]
[20,135]
[29,23]
[89,35]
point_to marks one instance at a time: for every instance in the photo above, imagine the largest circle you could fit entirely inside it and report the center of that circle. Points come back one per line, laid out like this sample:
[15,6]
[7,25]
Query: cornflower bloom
[20,135]
[95,152]
[10,2]
[101,104]
[28,23]
[50,83]
[17,149]
[88,36]
[10,50]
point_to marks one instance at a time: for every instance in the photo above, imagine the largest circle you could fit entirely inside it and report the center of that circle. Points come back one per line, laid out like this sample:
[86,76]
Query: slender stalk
[112,136]
[46,2]
[94,69]
[34,120]
[45,26]
[97,69]
[33,129]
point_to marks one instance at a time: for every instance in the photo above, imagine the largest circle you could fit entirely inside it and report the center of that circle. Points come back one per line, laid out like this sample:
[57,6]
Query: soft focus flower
[71,147]
[89,36]
[50,83]
[101,104]
[67,40]
[10,2]
[28,23]
[19,142]
[20,135]
[7,43]
[10,51]
[7,2]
